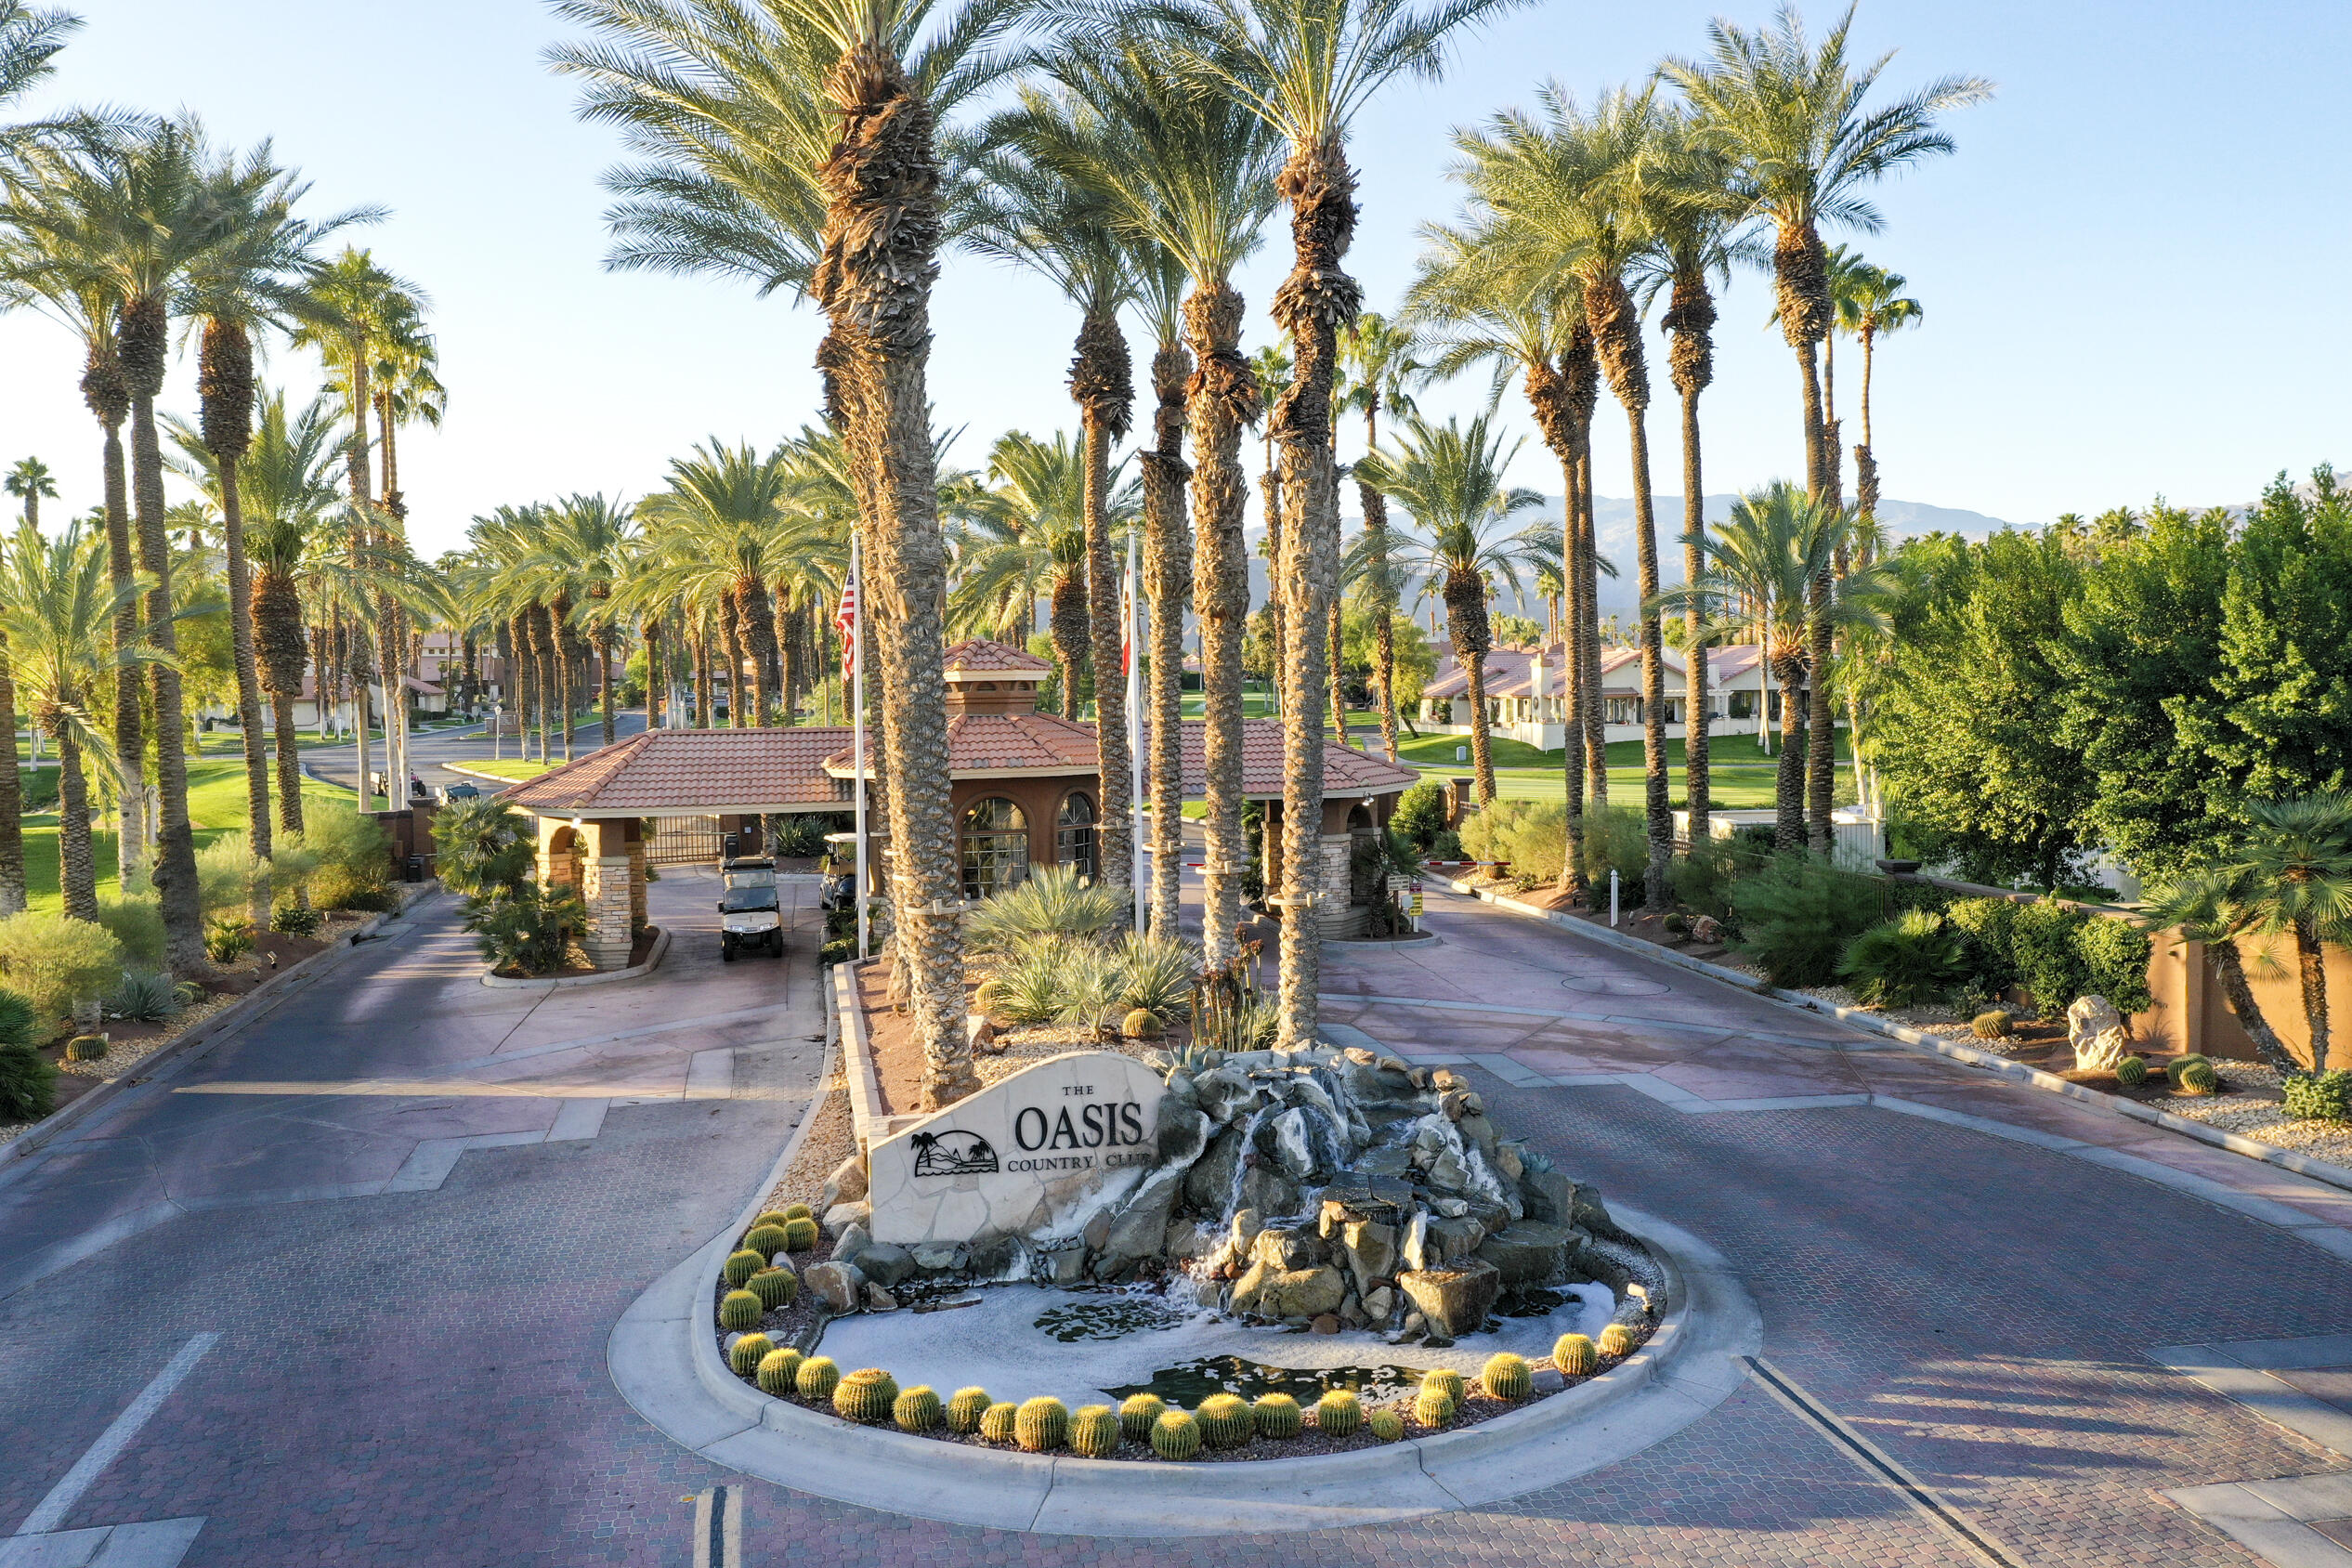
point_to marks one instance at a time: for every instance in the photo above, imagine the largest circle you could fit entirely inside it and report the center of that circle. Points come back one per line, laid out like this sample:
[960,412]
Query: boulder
[1391,1160]
[1247,1223]
[1367,1251]
[1555,1200]
[1478,1132]
[842,1216]
[990,1257]
[1379,1303]
[1294,1145]
[883,1264]
[1529,1252]
[1288,1248]
[1211,1180]
[880,1300]
[840,1286]
[1414,1251]
[1453,1301]
[1450,1240]
[1267,1292]
[1549,1380]
[1182,1134]
[846,1184]
[937,1259]
[849,1242]
[1140,1229]
[1064,1265]
[1447,1173]
[2089,1018]
[1326,1324]
[1266,1189]
[1226,1094]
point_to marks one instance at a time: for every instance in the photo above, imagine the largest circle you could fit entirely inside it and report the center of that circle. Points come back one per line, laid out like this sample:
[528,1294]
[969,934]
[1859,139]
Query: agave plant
[1028,988]
[144,997]
[1156,973]
[1054,901]
[1093,986]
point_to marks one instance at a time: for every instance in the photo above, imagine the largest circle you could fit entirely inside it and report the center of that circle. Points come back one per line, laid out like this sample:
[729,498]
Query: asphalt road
[427,754]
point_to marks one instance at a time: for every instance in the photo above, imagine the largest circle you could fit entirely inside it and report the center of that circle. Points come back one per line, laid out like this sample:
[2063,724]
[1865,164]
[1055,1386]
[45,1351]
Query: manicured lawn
[510,769]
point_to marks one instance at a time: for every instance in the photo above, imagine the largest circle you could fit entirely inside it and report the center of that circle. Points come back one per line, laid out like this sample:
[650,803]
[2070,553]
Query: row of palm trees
[123,227]
[799,145]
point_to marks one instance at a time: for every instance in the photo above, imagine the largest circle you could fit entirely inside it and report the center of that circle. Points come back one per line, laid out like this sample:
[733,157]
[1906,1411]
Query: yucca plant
[1093,984]
[144,997]
[1156,973]
[1054,901]
[1032,986]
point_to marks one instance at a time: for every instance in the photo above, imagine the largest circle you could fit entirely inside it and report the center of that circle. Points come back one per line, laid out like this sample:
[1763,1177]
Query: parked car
[748,913]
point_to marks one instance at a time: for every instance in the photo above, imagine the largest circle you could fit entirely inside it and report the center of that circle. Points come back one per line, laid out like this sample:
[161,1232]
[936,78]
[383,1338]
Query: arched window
[1073,834]
[995,846]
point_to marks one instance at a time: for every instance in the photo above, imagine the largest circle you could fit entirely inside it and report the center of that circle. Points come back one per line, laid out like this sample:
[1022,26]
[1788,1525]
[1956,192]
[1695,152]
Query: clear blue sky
[2132,270]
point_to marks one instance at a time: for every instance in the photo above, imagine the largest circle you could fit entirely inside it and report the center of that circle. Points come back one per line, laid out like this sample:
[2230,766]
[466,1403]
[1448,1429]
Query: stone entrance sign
[1035,1155]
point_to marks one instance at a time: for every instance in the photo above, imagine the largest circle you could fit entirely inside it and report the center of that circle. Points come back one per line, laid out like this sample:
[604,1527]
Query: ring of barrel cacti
[820,1437]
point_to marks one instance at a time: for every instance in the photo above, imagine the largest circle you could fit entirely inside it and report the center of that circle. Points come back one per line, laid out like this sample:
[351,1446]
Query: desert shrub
[1703,878]
[1054,901]
[528,931]
[137,923]
[1536,844]
[1447,845]
[1156,974]
[1796,915]
[2114,955]
[225,941]
[144,997]
[56,961]
[28,1079]
[2320,1096]
[1912,958]
[225,871]
[1985,925]
[801,836]
[1617,839]
[354,860]
[483,846]
[2045,944]
[296,920]
[1420,813]
[1486,832]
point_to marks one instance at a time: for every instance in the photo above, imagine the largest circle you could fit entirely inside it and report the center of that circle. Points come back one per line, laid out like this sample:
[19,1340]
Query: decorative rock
[1378,1303]
[840,1286]
[1248,1223]
[1266,1189]
[1267,1292]
[1140,1229]
[1447,1173]
[846,1184]
[843,1215]
[1529,1252]
[1211,1180]
[1707,928]
[1450,1239]
[880,1300]
[1453,1301]
[2086,1020]
[1368,1252]
[938,1259]
[1326,1324]
[1451,1207]
[1183,1133]
[1288,1248]
[1293,1146]
[1065,1265]
[884,1263]
[849,1242]
[1446,1078]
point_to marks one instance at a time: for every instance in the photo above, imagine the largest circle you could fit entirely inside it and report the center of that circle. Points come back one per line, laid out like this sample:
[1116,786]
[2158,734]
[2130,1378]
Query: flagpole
[858,725]
[1135,737]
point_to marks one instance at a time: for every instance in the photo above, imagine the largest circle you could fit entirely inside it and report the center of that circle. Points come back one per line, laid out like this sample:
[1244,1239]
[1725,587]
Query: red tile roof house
[1025,792]
[1526,693]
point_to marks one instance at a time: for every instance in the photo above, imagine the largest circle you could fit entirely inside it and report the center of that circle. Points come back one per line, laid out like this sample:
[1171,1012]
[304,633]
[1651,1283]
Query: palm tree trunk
[12,889]
[882,227]
[1482,741]
[1224,396]
[1580,378]
[542,660]
[1277,614]
[1821,755]
[701,675]
[1167,566]
[1383,596]
[77,861]
[175,874]
[2266,1043]
[1788,785]
[1691,322]
[240,635]
[755,623]
[130,738]
[786,621]
[731,648]
[1617,335]
[2312,969]
[1102,382]
[282,705]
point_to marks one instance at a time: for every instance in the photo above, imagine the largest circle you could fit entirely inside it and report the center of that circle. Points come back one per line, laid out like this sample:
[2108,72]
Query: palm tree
[720,519]
[1875,305]
[1274,382]
[1763,565]
[1450,480]
[1574,182]
[56,610]
[2291,875]
[1307,68]
[1026,540]
[1380,358]
[583,552]
[286,488]
[31,482]
[28,480]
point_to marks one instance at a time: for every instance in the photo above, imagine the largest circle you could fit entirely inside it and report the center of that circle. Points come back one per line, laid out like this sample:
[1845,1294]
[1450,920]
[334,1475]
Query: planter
[1897,867]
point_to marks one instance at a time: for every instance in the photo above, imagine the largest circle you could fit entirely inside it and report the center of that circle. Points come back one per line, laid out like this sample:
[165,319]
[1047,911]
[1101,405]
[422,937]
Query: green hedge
[2056,953]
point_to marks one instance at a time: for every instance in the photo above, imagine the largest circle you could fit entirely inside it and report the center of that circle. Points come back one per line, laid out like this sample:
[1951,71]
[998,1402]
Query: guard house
[1025,793]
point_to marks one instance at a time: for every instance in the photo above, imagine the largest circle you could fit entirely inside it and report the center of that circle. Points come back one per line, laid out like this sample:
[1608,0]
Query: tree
[1380,359]
[1450,480]
[28,480]
[1026,539]
[1872,308]
[31,482]
[286,484]
[583,552]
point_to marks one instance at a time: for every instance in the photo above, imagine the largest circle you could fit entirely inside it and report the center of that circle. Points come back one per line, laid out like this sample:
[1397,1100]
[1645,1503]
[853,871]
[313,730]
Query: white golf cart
[748,913]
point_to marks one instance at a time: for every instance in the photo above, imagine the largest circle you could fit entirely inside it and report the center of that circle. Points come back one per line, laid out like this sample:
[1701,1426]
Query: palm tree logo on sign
[953,1153]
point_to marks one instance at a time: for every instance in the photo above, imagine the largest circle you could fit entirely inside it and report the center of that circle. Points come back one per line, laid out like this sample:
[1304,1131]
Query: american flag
[845,623]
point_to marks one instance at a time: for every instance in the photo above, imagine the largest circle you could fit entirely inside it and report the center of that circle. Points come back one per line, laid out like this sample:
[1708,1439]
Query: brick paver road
[418,1378]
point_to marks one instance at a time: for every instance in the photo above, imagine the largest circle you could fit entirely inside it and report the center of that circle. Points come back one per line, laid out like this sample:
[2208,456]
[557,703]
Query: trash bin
[415,868]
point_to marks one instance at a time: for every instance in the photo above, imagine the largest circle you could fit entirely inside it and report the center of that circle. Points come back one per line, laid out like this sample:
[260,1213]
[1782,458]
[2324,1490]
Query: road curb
[653,962]
[665,1358]
[171,1057]
[2237,1144]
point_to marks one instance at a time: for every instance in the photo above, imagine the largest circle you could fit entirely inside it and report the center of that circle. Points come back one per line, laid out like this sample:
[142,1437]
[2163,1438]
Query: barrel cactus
[775,1287]
[1991,1025]
[86,1048]
[740,1309]
[744,1355]
[1507,1376]
[800,1233]
[818,1378]
[779,1371]
[2132,1071]
[1137,1413]
[997,1421]
[2178,1066]
[1433,1406]
[1276,1415]
[767,1240]
[867,1394]
[1387,1425]
[741,1266]
[1574,1355]
[1337,1413]
[1141,1023]
[1617,1339]
[2199,1078]
[1175,1435]
[965,1409]
[770,1217]
[1094,1432]
[916,1409]
[1041,1425]
[1445,1380]
[798,1211]
[1225,1421]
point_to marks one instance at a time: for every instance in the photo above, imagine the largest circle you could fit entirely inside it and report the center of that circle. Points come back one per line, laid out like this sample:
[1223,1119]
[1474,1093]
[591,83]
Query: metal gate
[679,840]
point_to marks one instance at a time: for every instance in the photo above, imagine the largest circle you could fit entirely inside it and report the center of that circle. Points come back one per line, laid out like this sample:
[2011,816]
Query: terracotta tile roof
[993,742]
[979,656]
[688,772]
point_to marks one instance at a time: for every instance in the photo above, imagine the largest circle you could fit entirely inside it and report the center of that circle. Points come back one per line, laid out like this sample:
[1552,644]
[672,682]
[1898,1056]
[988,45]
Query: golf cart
[748,914]
[839,890]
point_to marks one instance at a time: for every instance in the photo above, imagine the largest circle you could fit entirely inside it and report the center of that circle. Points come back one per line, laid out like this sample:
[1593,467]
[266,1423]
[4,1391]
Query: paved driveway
[1967,1278]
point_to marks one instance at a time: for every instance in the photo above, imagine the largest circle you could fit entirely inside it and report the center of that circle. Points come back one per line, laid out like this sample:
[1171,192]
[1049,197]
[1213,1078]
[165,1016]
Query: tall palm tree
[720,516]
[56,610]
[1308,68]
[1381,358]
[581,556]
[286,488]
[1695,217]
[28,480]
[1763,564]
[1275,377]
[1450,480]
[31,482]
[1027,538]
[1874,307]
[1067,231]
[1574,181]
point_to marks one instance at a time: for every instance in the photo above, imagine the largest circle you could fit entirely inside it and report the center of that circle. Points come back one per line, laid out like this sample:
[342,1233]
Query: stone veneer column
[637,881]
[1336,916]
[606,881]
